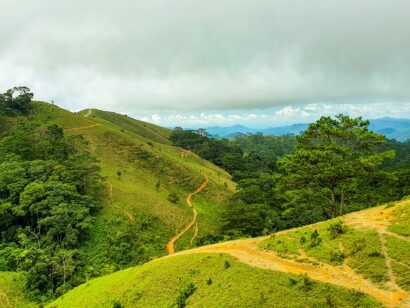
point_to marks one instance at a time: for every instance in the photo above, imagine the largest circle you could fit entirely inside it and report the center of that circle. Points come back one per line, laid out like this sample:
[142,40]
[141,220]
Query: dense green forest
[48,189]
[336,166]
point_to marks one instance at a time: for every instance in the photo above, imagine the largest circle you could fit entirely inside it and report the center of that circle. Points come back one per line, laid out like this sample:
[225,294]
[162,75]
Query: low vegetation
[206,281]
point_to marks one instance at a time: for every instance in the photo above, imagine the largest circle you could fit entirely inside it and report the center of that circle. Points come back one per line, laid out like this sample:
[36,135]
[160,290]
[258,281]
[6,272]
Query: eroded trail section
[170,245]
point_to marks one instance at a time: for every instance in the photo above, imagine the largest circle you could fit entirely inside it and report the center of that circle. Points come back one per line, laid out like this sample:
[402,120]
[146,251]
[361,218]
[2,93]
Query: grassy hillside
[11,291]
[137,219]
[358,260]
[214,280]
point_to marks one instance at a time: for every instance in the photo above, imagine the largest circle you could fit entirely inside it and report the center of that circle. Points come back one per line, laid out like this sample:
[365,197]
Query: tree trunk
[332,192]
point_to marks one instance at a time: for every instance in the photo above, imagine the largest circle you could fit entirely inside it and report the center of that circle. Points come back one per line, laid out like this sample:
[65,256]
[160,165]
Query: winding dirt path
[170,246]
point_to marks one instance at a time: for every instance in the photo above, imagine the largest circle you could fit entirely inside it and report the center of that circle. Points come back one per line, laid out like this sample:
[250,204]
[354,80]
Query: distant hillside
[398,129]
[358,260]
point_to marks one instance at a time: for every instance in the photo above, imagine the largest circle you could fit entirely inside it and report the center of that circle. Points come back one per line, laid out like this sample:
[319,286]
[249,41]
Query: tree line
[334,167]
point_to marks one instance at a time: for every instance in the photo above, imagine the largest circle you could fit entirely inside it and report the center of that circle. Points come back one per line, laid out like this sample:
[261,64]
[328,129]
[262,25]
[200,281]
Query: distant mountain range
[398,129]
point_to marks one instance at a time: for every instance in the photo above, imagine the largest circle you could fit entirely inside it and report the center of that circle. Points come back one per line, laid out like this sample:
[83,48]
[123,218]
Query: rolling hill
[358,260]
[144,156]
[136,219]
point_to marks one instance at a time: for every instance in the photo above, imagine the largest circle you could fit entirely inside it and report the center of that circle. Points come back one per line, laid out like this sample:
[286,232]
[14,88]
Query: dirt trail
[88,113]
[378,219]
[75,129]
[196,229]
[247,251]
[170,245]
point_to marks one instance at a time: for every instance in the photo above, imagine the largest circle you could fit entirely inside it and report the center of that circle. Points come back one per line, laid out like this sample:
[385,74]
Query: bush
[336,229]
[184,293]
[315,239]
[117,304]
[307,283]
[227,265]
[173,197]
[336,256]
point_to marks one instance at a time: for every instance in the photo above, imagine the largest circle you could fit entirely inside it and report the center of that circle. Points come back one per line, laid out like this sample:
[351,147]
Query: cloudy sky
[200,63]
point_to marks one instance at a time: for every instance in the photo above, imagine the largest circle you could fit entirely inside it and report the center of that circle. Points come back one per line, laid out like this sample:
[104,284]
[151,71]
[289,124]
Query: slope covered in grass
[207,280]
[347,257]
[11,291]
[141,169]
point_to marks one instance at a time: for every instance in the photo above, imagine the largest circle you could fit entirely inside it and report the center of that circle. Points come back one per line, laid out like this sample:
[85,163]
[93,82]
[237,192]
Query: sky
[217,62]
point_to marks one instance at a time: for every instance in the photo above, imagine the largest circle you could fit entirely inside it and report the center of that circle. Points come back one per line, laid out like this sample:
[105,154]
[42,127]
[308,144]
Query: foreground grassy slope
[358,253]
[135,212]
[217,280]
[11,291]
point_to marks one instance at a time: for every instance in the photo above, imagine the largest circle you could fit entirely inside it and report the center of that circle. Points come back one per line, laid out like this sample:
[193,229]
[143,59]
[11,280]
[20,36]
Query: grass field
[347,256]
[214,280]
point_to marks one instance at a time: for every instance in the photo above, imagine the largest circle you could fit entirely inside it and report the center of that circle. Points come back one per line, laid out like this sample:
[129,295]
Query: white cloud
[291,112]
[191,55]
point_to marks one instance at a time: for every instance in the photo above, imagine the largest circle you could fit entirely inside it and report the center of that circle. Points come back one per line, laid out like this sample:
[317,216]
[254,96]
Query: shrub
[184,293]
[336,256]
[375,254]
[315,239]
[357,245]
[209,281]
[117,304]
[173,197]
[307,283]
[336,229]
[293,281]
[227,264]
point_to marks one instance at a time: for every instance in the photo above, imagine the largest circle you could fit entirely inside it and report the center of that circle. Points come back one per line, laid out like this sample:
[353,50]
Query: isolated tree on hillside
[330,156]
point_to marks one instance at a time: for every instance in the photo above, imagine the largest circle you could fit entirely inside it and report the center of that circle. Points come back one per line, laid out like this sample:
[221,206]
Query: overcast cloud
[192,56]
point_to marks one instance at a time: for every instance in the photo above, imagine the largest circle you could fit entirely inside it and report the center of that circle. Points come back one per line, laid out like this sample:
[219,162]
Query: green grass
[399,250]
[402,274]
[361,250]
[402,223]
[216,281]
[11,291]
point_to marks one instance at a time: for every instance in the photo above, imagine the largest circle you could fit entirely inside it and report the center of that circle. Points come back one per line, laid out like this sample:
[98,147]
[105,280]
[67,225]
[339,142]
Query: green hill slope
[358,260]
[137,219]
[11,290]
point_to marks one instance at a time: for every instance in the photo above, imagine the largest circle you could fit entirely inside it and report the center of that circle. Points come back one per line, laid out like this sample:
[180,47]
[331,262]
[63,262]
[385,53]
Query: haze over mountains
[392,128]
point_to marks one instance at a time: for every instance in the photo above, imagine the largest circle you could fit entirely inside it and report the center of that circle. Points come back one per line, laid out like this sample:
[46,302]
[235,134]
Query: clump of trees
[331,158]
[15,101]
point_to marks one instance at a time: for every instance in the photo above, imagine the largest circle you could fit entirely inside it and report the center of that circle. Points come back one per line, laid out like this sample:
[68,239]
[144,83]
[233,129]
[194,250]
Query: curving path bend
[170,246]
